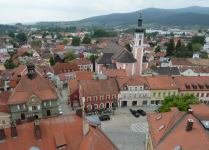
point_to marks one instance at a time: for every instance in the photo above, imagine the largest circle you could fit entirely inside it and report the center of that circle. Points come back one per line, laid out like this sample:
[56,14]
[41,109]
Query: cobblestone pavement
[124,129]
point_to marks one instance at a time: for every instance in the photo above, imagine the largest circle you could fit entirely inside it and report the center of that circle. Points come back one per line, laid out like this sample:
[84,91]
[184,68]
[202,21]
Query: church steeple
[139,28]
[31,70]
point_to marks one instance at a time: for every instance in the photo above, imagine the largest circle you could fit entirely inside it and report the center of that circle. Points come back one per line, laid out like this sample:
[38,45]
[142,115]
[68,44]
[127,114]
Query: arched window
[140,42]
[101,106]
[95,106]
[89,107]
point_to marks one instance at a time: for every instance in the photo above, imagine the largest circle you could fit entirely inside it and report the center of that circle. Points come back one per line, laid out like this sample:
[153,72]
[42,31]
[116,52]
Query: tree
[70,55]
[204,55]
[52,34]
[197,47]
[153,66]
[165,44]
[127,46]
[198,39]
[200,30]
[18,64]
[10,64]
[178,45]
[157,49]
[97,41]
[183,48]
[93,58]
[190,47]
[35,43]
[171,48]
[52,61]
[21,37]
[75,41]
[65,41]
[11,34]
[86,40]
[59,36]
[181,102]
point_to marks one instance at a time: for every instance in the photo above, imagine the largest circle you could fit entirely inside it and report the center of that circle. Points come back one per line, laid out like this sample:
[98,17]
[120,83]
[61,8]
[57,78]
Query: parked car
[134,113]
[104,117]
[142,112]
[60,112]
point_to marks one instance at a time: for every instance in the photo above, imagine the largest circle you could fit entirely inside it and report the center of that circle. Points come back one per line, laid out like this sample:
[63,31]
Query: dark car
[142,112]
[105,117]
[135,113]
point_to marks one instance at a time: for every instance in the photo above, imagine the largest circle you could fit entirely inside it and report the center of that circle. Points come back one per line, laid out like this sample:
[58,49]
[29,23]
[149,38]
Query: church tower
[137,48]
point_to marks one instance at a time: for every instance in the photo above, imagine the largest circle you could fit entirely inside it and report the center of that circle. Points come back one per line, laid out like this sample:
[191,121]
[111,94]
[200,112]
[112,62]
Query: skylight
[160,128]
[171,84]
[158,118]
[155,85]
[177,148]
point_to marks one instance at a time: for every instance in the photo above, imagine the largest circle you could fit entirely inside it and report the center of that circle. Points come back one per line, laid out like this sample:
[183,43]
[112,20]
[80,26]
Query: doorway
[134,103]
[22,115]
[124,103]
[36,116]
[107,105]
[48,113]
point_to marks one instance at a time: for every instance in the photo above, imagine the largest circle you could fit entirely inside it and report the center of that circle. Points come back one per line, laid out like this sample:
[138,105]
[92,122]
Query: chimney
[97,78]
[189,125]
[14,131]
[153,74]
[2,134]
[190,111]
[85,127]
[108,77]
[31,118]
[37,130]
[79,112]
[18,121]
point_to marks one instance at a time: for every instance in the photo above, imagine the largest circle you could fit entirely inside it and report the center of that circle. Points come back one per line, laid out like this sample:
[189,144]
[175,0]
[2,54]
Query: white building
[3,49]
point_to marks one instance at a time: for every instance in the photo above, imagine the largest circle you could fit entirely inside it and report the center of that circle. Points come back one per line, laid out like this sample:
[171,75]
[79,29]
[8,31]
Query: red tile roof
[56,131]
[115,72]
[19,54]
[82,61]
[149,48]
[4,96]
[84,75]
[150,54]
[65,66]
[161,82]
[27,87]
[160,54]
[196,70]
[24,49]
[181,61]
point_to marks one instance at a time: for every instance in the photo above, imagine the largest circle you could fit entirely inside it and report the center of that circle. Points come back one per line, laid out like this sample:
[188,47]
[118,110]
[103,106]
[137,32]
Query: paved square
[140,127]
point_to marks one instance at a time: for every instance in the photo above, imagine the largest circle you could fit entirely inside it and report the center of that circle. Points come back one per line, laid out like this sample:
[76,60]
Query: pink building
[4,56]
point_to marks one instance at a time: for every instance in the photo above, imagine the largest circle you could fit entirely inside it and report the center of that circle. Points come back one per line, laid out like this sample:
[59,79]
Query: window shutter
[50,103]
[24,106]
[38,107]
[30,108]
[18,107]
[44,103]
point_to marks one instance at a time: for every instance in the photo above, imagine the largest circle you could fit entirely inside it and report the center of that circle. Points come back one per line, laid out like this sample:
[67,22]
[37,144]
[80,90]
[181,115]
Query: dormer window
[187,86]
[60,70]
[65,70]
[194,86]
[207,86]
[200,86]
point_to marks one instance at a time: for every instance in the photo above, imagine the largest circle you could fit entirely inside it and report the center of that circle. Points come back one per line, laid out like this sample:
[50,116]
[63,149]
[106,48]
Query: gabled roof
[167,71]
[18,54]
[112,48]
[160,54]
[104,59]
[84,75]
[149,49]
[115,72]
[65,66]
[27,87]
[124,57]
[4,96]
[82,61]
[56,131]
[150,54]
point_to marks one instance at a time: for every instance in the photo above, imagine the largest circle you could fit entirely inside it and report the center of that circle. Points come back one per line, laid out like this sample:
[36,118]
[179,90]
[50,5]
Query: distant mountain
[24,23]
[152,15]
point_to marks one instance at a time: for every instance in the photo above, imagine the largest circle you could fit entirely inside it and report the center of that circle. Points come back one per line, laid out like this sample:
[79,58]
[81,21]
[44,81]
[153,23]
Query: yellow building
[161,86]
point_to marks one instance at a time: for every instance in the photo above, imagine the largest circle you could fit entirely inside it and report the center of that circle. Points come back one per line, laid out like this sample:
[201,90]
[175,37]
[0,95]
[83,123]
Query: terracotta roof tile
[65,66]
[4,96]
[82,61]
[150,54]
[84,75]
[115,72]
[160,54]
[149,48]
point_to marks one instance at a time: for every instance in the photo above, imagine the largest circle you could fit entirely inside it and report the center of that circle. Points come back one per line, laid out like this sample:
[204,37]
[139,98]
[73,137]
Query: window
[32,99]
[22,116]
[153,94]
[124,96]
[89,107]
[174,93]
[130,95]
[113,96]
[48,103]
[3,121]
[169,93]
[182,94]
[34,108]
[135,88]
[89,99]
[163,93]
[101,106]
[48,112]
[188,71]
[197,94]
[22,106]
[130,88]
[202,95]
[159,94]
[95,98]
[60,70]
[75,96]
[95,107]
[144,103]
[108,97]
[152,102]
[140,95]
[101,97]
[134,95]
[207,95]
[145,95]
[65,70]
[140,88]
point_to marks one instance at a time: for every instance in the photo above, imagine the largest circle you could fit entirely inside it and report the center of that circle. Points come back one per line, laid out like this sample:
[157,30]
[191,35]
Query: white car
[60,112]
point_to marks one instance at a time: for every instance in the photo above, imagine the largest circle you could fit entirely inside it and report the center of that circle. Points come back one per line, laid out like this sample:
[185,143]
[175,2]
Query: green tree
[21,37]
[11,34]
[183,48]
[18,64]
[70,55]
[200,30]
[165,44]
[35,43]
[170,48]
[197,47]
[75,41]
[93,58]
[204,55]
[65,41]
[128,47]
[59,36]
[86,40]
[10,64]
[198,39]
[52,61]
[52,34]
[178,45]
[153,66]
[157,49]
[97,41]
[190,47]
[181,102]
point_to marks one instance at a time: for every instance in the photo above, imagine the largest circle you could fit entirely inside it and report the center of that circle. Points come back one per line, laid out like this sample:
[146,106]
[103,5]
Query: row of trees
[101,33]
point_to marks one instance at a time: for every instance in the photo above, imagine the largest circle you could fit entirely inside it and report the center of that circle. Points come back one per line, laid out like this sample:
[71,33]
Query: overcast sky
[70,10]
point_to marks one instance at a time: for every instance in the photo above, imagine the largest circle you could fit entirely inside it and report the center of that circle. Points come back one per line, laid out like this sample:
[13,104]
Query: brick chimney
[2,134]
[37,130]
[85,127]
[79,112]
[190,111]
[14,131]
[97,78]
[189,125]
[18,121]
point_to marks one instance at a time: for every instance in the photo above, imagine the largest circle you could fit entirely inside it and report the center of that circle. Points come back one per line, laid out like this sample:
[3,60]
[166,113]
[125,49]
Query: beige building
[4,120]
[83,64]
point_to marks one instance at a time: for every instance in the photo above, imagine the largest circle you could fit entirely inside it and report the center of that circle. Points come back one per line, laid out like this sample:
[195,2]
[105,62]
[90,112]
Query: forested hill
[152,15]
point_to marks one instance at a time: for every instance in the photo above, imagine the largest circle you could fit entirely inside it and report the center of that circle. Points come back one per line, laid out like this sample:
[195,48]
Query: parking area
[127,131]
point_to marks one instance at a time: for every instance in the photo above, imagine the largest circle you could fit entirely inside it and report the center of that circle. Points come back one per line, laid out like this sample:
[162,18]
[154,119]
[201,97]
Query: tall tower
[137,48]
